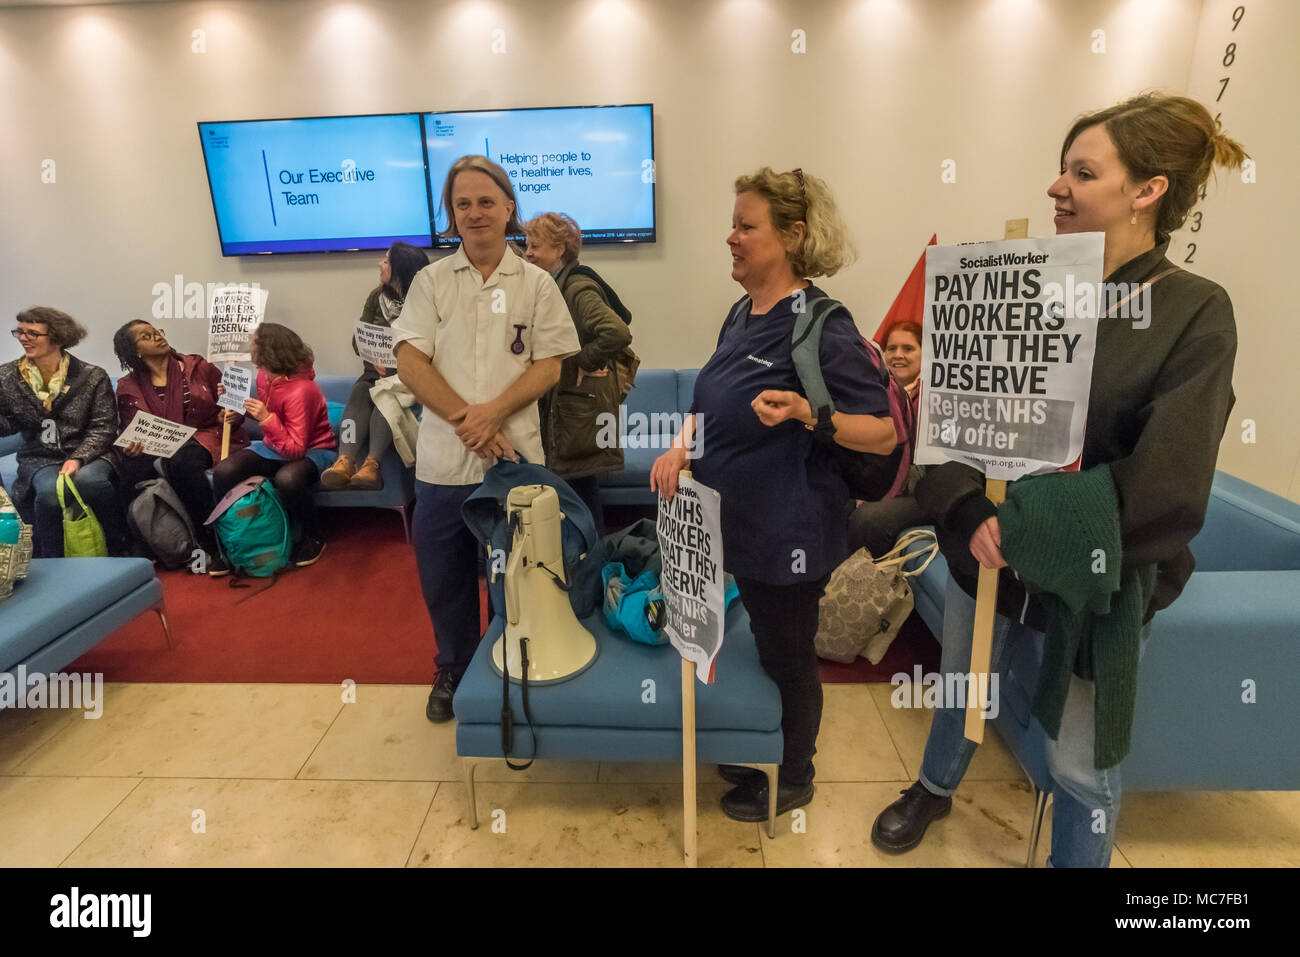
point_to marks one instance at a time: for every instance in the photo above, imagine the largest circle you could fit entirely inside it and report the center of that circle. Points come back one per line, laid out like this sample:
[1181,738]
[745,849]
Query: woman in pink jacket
[297,442]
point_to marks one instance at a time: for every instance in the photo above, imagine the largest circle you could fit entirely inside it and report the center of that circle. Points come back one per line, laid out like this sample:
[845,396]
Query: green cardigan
[1061,534]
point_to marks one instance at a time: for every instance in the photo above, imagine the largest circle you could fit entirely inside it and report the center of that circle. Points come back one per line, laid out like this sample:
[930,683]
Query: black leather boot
[901,826]
[439,707]
[749,804]
[737,774]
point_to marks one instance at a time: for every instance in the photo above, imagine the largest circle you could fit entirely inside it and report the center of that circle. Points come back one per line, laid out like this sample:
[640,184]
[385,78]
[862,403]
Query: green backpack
[253,529]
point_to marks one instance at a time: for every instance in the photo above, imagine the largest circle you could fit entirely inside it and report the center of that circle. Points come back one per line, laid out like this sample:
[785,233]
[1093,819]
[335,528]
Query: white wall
[886,91]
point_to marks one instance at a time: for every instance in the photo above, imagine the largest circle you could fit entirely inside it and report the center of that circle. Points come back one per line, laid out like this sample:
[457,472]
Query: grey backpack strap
[805,351]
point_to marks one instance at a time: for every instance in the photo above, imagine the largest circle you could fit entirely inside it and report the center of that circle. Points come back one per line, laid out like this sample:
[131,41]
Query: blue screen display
[306,185]
[594,163]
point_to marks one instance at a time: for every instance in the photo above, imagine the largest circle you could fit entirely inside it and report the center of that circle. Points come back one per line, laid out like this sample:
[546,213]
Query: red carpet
[357,613]
[914,645]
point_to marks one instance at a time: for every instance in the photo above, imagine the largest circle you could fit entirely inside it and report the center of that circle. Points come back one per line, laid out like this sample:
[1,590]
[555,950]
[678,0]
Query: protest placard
[160,437]
[238,381]
[690,544]
[234,313]
[375,343]
[1009,334]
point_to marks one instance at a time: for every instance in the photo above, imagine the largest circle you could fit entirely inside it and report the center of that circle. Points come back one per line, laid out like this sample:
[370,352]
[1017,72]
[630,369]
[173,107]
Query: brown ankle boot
[338,474]
[367,477]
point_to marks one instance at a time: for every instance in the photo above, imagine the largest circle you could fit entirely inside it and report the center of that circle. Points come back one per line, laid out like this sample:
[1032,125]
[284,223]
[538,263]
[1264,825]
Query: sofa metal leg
[771,771]
[469,764]
[1041,799]
[406,522]
[161,611]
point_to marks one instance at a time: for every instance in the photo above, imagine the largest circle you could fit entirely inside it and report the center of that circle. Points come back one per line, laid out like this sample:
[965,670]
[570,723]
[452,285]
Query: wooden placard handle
[981,651]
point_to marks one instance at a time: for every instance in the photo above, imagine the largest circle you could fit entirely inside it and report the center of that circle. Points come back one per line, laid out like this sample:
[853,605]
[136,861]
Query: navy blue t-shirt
[784,504]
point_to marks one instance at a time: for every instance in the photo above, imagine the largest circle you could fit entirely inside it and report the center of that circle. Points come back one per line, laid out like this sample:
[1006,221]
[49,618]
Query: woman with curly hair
[297,442]
[180,388]
[784,503]
[64,409]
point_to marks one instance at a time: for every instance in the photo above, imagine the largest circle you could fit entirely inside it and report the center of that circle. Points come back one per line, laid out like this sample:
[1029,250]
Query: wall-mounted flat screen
[319,184]
[595,163]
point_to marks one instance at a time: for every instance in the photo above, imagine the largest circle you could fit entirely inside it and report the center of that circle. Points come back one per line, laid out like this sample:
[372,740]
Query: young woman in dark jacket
[64,409]
[573,414]
[179,388]
[1160,398]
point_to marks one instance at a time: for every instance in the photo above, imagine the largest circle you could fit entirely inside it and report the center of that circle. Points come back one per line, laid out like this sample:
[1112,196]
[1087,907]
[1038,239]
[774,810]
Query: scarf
[46,392]
[1061,534]
[389,308]
[172,404]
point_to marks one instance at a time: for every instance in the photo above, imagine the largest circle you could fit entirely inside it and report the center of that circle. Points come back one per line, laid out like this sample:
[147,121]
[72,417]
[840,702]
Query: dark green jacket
[1156,414]
[572,414]
[1061,533]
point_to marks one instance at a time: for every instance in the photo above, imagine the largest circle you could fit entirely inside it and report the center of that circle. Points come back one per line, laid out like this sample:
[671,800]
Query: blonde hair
[483,165]
[1158,134]
[795,197]
[556,228]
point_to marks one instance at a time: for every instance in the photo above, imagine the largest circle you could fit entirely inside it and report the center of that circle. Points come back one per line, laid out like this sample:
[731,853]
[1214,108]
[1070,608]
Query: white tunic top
[481,335]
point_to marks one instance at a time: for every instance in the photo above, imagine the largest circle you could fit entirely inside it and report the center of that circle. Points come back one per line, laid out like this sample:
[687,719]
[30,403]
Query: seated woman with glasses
[179,388]
[64,409]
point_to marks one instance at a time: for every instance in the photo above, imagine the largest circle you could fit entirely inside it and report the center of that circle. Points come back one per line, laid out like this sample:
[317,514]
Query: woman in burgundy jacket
[297,442]
[180,388]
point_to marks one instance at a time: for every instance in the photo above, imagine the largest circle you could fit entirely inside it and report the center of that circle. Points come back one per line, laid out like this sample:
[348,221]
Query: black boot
[749,804]
[439,708]
[737,774]
[901,826]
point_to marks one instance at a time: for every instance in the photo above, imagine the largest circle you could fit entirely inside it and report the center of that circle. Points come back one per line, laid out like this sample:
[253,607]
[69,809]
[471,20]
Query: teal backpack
[253,529]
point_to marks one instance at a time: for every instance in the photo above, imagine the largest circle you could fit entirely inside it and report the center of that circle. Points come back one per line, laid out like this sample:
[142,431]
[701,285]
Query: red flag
[910,300]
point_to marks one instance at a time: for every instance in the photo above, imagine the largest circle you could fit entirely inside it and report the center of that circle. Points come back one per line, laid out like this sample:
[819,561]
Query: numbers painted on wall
[1228,59]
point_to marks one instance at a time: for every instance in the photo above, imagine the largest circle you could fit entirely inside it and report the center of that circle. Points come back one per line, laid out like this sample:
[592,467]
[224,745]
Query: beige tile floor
[267,775]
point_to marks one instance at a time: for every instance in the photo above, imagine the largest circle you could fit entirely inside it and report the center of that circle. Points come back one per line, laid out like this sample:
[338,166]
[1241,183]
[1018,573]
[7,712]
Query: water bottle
[10,525]
[10,533]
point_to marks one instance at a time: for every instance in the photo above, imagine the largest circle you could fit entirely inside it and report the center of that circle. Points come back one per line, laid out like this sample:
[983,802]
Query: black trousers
[588,489]
[186,472]
[784,621]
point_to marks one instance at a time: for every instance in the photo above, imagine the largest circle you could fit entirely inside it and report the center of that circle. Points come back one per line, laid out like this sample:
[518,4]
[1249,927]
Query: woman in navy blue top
[784,504]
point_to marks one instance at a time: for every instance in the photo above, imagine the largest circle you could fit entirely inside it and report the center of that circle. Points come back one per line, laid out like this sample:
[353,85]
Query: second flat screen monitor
[593,163]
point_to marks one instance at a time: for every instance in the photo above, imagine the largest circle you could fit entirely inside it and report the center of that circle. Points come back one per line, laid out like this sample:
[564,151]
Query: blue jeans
[447,555]
[94,481]
[1085,798]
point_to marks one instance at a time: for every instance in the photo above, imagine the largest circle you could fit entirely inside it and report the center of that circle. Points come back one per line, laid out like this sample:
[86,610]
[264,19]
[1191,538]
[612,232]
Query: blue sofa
[1233,634]
[607,712]
[652,416]
[66,606]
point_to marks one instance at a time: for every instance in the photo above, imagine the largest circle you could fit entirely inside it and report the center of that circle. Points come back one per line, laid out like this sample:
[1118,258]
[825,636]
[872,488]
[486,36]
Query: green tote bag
[82,537]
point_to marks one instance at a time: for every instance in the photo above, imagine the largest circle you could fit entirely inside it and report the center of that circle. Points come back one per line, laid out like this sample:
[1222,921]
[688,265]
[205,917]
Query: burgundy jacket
[204,413]
[299,418]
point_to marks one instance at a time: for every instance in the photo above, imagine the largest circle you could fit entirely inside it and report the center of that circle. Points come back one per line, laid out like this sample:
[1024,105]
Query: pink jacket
[299,419]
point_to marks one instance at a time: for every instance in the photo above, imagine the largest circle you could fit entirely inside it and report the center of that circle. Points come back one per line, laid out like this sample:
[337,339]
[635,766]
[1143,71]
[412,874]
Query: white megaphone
[537,602]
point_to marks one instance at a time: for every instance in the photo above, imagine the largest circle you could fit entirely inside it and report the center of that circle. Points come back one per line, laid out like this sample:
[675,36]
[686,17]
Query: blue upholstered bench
[1238,619]
[66,606]
[600,714]
[654,411]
